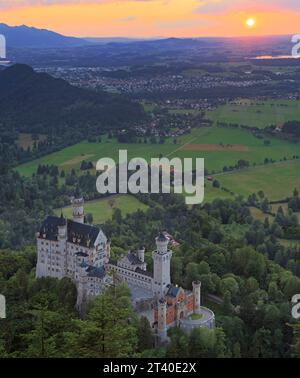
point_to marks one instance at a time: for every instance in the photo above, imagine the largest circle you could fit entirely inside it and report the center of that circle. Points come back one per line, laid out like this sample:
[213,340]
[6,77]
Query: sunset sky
[154,18]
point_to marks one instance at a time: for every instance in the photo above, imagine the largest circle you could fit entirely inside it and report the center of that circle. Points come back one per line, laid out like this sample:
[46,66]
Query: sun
[250,22]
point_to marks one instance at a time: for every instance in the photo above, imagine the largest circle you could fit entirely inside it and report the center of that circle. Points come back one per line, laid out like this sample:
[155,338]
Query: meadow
[218,146]
[102,209]
[277,181]
[257,113]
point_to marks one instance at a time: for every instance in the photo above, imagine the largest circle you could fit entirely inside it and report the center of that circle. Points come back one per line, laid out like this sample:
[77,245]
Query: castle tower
[62,229]
[161,266]
[197,296]
[78,208]
[141,254]
[162,320]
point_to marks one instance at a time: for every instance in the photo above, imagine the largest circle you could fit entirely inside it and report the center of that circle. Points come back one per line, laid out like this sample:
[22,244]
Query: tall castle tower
[197,296]
[162,320]
[161,266]
[78,207]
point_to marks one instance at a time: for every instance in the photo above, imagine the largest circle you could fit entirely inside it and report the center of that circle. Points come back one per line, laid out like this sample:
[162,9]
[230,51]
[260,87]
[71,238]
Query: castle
[73,249]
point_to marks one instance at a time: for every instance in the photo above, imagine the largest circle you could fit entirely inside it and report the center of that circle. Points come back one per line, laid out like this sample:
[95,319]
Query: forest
[253,274]
[38,104]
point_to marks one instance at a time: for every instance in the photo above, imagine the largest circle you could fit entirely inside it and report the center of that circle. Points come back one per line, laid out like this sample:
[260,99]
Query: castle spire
[78,206]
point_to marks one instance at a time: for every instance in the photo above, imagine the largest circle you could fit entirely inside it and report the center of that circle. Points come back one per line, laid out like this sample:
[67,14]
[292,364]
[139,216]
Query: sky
[155,18]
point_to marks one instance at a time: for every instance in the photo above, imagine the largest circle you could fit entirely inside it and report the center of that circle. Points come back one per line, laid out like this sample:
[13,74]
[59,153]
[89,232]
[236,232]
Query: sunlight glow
[250,22]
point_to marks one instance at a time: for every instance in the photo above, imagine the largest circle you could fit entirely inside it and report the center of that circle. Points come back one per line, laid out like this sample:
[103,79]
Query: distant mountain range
[105,40]
[39,47]
[28,37]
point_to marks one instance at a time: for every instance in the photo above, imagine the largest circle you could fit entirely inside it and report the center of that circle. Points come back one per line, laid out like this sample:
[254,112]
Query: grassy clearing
[235,230]
[102,210]
[212,193]
[257,114]
[253,150]
[259,215]
[26,141]
[277,181]
[285,208]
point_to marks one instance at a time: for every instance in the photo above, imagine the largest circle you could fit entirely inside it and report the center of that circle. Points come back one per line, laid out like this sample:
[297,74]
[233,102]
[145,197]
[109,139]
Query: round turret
[162,243]
[141,254]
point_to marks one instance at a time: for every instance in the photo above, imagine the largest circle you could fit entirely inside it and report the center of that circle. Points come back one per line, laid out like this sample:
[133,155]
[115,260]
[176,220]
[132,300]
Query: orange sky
[148,18]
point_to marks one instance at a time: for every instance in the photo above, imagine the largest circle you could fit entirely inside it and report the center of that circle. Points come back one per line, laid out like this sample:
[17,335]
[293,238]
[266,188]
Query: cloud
[222,6]
[205,6]
[178,24]
[7,4]
[128,19]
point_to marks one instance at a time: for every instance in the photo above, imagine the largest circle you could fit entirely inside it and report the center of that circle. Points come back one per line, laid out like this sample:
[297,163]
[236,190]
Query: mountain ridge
[38,103]
[23,36]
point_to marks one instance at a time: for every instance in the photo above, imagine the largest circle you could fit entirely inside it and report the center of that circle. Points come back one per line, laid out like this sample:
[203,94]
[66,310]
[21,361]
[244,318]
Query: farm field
[102,209]
[218,146]
[257,114]
[276,180]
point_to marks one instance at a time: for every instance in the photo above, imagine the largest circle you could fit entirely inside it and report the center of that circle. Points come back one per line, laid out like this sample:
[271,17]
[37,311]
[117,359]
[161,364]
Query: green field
[257,113]
[276,180]
[102,210]
[211,193]
[253,150]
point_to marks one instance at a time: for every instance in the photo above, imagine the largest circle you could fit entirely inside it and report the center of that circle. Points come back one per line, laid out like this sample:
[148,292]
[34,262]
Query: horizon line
[151,37]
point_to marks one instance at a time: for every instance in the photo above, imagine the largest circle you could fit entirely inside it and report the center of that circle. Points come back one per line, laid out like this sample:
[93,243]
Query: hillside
[27,37]
[36,102]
